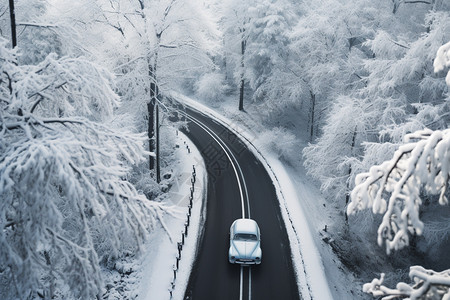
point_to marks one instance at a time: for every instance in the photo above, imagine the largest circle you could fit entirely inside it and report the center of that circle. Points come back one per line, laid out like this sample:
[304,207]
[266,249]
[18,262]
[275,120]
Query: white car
[245,243]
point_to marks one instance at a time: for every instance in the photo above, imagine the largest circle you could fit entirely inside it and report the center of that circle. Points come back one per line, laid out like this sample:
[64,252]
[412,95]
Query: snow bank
[155,271]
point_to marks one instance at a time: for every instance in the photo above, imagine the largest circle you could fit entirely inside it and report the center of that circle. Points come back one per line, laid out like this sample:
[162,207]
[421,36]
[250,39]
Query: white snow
[157,267]
[414,165]
[442,61]
[152,273]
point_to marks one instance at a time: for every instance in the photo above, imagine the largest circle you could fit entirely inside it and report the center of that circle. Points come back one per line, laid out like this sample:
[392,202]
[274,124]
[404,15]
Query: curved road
[213,277]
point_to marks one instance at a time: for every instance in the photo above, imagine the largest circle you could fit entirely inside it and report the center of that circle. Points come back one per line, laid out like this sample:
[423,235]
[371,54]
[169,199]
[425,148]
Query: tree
[429,284]
[160,45]
[65,205]
[422,163]
[40,33]
[330,59]
[235,22]
[442,61]
[256,39]
[384,63]
[326,54]
[331,159]
[267,44]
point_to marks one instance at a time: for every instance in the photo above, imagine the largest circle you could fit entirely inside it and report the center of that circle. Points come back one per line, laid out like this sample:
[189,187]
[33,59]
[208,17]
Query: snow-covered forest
[354,91]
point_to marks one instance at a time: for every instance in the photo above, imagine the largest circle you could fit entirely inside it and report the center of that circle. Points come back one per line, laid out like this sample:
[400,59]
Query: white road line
[243,180]
[222,145]
[241,288]
[249,283]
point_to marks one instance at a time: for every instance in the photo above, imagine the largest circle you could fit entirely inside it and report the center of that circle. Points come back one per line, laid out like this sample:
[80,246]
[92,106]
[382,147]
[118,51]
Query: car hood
[245,249]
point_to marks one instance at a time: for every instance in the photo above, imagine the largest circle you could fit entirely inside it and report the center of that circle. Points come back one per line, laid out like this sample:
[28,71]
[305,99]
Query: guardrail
[184,232]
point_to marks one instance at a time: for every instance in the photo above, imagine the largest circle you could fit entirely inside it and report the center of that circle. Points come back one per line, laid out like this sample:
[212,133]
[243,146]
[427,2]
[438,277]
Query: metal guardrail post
[184,232]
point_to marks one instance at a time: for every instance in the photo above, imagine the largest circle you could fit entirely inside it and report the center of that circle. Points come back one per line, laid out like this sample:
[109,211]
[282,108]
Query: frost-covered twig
[428,284]
[36,24]
[423,162]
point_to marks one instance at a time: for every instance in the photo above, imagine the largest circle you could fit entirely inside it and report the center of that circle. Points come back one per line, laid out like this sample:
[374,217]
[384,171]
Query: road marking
[243,180]
[241,285]
[232,159]
[241,288]
[249,283]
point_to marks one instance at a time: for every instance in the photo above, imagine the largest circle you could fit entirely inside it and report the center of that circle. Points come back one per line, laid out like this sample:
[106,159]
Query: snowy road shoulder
[311,277]
[155,276]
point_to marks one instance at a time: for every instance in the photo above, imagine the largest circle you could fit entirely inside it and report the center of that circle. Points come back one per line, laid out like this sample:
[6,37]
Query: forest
[355,92]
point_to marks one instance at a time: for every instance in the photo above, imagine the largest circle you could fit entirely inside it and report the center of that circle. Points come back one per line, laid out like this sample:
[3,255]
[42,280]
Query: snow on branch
[442,61]
[428,284]
[36,24]
[423,162]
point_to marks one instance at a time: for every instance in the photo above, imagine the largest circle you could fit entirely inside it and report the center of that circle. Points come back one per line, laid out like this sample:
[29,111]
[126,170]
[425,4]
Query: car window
[245,237]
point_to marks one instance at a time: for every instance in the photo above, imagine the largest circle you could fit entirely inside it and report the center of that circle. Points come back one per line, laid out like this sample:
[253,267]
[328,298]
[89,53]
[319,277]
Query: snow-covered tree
[235,21]
[41,30]
[442,61]
[402,69]
[327,54]
[161,46]
[332,159]
[428,284]
[267,44]
[211,87]
[385,65]
[65,205]
[330,56]
[164,35]
[256,44]
[422,164]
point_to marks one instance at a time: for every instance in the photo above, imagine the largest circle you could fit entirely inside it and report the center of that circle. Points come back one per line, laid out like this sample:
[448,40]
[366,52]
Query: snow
[311,278]
[413,165]
[158,267]
[151,275]
[442,61]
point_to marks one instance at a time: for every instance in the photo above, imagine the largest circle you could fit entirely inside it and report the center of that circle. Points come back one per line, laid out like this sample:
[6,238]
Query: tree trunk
[158,167]
[347,196]
[313,109]
[241,95]
[241,89]
[155,96]
[153,124]
[151,131]
[152,105]
[12,15]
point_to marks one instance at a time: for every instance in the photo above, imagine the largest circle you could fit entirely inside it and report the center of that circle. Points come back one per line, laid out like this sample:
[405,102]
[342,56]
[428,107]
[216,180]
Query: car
[245,243]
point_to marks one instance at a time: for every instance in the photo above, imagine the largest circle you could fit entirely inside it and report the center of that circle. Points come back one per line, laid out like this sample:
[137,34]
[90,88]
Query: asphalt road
[213,277]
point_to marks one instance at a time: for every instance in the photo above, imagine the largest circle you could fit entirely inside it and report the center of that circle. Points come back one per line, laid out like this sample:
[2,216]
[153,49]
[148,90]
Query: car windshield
[245,237]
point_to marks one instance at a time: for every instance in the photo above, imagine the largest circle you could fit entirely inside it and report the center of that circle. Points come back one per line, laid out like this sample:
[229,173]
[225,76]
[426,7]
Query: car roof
[245,226]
